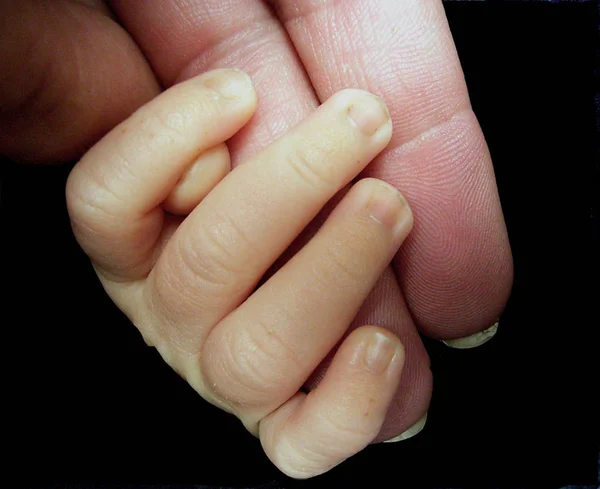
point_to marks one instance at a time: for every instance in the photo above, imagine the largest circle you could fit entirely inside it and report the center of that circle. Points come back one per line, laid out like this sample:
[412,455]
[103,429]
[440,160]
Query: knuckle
[274,345]
[172,123]
[229,228]
[155,128]
[340,261]
[165,127]
[308,164]
[212,251]
[207,258]
[88,196]
[241,371]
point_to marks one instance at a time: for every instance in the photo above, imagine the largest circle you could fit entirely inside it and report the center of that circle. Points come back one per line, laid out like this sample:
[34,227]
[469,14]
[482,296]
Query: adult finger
[68,74]
[456,268]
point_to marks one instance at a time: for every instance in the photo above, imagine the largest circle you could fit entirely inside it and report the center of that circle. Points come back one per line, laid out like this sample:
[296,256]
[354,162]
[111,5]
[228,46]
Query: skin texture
[190,285]
[91,67]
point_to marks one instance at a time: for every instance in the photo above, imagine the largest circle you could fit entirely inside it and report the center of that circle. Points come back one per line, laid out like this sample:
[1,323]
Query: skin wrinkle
[170,296]
[247,40]
[160,314]
[240,376]
[258,21]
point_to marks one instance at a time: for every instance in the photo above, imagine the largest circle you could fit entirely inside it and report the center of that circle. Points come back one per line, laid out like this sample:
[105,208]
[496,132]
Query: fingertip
[230,83]
[380,351]
[388,207]
[367,112]
[233,87]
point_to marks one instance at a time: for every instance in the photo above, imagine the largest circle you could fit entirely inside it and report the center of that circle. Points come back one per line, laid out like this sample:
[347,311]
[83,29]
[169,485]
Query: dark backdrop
[86,402]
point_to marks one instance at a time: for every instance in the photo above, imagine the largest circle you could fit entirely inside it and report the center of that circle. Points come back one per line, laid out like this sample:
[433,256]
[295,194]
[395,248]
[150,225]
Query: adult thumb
[68,74]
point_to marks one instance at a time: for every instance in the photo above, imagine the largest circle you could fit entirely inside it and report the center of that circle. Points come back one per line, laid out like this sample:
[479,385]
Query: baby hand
[180,245]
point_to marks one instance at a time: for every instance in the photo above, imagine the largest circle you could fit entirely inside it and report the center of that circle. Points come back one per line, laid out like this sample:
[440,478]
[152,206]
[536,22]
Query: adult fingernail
[410,432]
[474,340]
[368,113]
[229,83]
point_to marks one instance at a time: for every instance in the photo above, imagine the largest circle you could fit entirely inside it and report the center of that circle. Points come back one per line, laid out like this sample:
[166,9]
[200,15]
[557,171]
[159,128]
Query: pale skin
[189,283]
[91,63]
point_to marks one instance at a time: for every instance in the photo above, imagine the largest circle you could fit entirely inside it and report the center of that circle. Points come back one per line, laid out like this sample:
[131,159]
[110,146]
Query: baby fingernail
[229,83]
[369,113]
[387,206]
[474,340]
[410,432]
[379,353]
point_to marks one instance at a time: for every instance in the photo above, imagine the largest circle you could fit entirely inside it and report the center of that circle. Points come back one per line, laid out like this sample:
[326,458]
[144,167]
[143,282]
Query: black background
[85,401]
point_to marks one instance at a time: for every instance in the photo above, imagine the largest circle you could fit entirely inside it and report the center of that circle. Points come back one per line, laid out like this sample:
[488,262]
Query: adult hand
[89,67]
